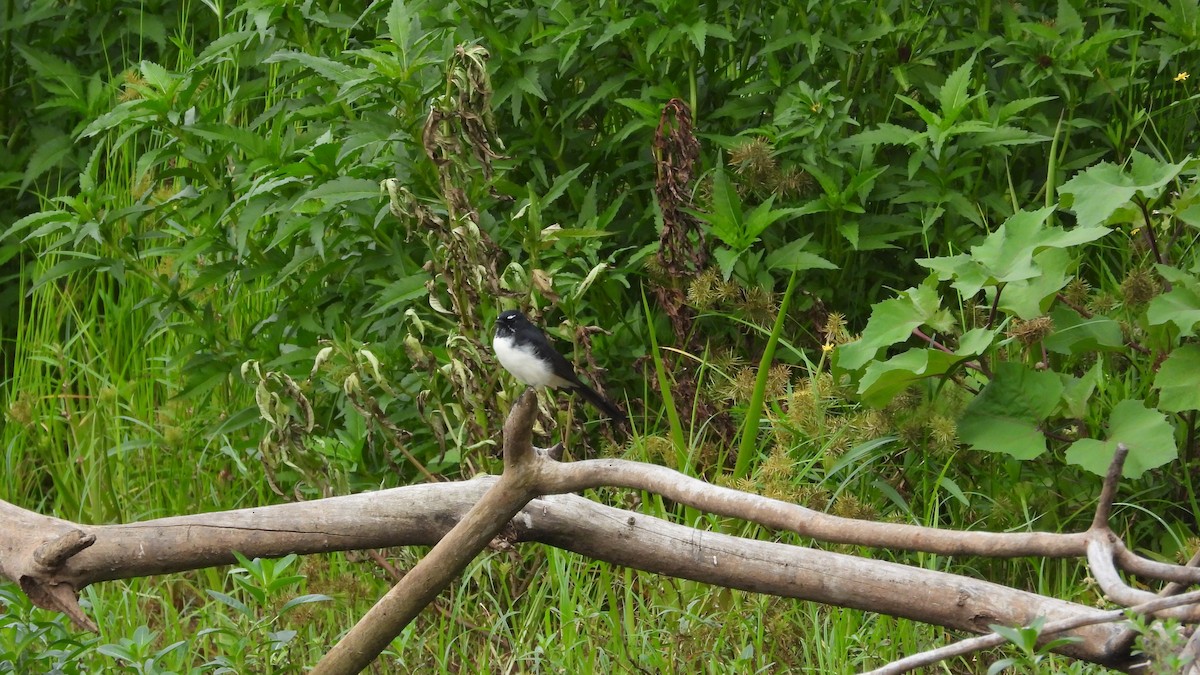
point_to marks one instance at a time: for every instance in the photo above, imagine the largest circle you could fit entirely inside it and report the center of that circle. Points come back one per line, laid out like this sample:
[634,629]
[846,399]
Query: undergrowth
[252,253]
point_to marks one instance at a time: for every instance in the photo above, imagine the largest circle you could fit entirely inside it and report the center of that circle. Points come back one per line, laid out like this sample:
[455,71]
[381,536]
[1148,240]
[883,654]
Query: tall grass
[194,187]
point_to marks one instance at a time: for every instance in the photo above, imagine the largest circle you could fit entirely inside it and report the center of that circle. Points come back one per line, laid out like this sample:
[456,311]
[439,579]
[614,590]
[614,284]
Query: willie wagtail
[524,351]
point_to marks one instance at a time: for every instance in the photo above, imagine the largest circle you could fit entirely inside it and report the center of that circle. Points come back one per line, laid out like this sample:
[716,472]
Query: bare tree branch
[1050,631]
[424,514]
[1108,493]
[395,610]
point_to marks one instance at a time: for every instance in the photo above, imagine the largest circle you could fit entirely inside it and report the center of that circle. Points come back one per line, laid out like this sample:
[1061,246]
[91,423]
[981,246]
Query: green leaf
[792,257]
[81,261]
[1077,391]
[46,156]
[1074,334]
[953,95]
[1180,306]
[1015,252]
[891,321]
[1178,380]
[883,380]
[883,134]
[561,184]
[1006,414]
[726,260]
[1030,298]
[343,189]
[303,600]
[1145,431]
[400,22]
[338,72]
[1098,191]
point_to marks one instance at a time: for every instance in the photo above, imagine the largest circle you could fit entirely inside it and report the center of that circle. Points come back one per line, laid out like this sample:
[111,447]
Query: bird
[525,352]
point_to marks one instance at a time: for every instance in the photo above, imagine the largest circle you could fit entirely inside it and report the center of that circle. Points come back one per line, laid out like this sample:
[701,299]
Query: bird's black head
[508,322]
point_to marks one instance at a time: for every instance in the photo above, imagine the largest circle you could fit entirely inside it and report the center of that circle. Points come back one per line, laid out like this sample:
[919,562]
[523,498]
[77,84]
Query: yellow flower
[1134,231]
[827,347]
[1182,77]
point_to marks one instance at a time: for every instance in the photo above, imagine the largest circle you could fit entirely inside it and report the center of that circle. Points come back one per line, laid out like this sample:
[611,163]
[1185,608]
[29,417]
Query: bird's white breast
[523,363]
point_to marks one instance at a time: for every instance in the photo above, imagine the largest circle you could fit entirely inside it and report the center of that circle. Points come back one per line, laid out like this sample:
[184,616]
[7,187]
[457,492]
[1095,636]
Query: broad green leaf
[1011,108]
[891,321]
[46,155]
[1074,334]
[613,30]
[44,222]
[1145,431]
[339,72]
[929,117]
[399,291]
[158,77]
[303,600]
[883,380]
[1030,298]
[80,261]
[1006,414]
[1096,192]
[1007,253]
[1180,306]
[400,22]
[798,261]
[1016,251]
[1178,380]
[561,184]
[725,220]
[125,111]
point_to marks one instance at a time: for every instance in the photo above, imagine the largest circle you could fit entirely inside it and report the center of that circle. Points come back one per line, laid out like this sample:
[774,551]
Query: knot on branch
[54,553]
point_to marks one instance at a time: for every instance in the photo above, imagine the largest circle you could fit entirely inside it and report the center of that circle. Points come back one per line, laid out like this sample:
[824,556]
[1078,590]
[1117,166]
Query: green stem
[754,410]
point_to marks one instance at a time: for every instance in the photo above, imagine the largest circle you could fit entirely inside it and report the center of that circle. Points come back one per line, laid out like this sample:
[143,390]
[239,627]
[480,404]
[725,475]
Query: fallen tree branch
[1050,629]
[423,514]
[450,556]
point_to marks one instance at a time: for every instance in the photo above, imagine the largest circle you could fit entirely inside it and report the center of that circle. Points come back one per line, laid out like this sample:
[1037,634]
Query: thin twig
[975,644]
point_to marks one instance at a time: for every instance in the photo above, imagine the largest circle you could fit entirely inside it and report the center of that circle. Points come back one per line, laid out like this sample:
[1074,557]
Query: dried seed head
[741,388]
[1102,303]
[702,293]
[1032,331]
[1139,287]
[835,329]
[794,182]
[754,160]
[1077,292]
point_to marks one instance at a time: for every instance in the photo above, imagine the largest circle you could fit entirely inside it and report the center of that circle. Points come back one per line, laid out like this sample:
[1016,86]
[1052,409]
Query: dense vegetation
[925,262]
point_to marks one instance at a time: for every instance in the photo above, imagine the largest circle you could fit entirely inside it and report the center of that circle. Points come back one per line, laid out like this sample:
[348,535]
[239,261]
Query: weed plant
[252,252]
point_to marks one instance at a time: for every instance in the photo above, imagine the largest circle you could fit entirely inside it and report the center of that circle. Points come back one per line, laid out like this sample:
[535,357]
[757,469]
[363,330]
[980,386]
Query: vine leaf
[1006,414]
[1178,380]
[1097,192]
[1145,431]
[893,321]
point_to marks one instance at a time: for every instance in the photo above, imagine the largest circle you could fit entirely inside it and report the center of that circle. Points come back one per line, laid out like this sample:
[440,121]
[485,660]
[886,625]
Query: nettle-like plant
[1050,362]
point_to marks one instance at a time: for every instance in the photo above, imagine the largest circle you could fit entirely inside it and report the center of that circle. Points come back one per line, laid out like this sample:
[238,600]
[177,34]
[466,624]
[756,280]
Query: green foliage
[1021,271]
[1025,639]
[194,187]
[1007,414]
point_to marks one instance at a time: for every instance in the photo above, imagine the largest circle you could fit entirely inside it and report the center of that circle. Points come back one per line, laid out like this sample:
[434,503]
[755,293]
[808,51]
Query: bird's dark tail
[619,419]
